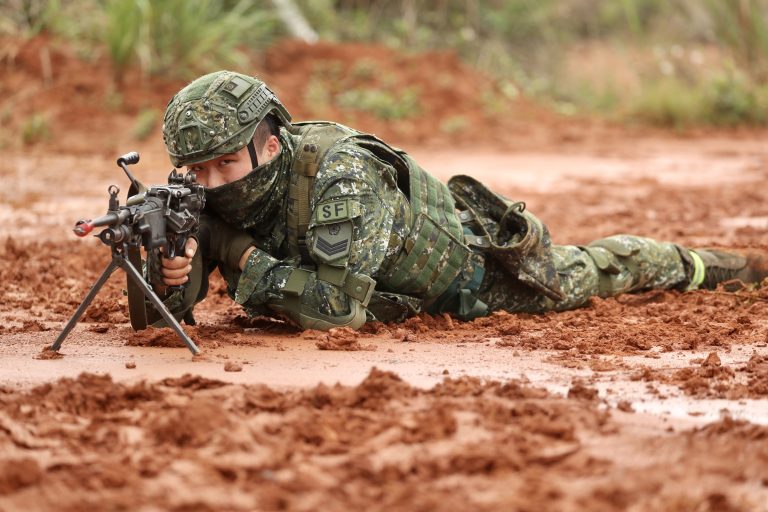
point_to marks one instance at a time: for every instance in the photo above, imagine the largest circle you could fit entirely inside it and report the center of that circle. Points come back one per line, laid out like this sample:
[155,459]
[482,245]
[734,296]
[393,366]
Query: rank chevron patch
[332,241]
[329,248]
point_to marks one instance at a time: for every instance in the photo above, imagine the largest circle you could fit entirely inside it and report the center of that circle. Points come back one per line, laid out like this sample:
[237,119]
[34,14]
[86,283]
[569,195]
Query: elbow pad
[311,319]
[358,289]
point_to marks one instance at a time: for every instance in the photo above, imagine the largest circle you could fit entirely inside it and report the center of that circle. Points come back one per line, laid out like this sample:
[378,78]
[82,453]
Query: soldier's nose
[214,179]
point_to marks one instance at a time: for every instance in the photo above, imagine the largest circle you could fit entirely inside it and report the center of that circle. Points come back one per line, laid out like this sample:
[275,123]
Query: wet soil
[654,401]
[192,443]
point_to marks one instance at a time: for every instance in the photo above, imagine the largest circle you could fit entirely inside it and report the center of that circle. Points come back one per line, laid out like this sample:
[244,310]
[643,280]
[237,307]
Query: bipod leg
[86,302]
[159,306]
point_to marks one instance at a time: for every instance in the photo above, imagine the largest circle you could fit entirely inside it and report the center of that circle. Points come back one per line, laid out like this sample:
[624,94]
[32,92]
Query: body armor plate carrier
[434,253]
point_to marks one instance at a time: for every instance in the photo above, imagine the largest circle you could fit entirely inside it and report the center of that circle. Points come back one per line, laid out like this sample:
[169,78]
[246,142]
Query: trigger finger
[190,248]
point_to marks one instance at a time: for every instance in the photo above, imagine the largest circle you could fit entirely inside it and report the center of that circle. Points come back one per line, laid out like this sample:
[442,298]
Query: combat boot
[708,267]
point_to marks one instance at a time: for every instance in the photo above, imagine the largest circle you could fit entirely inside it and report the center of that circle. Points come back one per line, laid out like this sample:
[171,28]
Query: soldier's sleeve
[348,238]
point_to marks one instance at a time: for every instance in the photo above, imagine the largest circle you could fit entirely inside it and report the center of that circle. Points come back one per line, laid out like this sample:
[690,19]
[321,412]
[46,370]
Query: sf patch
[332,211]
[332,241]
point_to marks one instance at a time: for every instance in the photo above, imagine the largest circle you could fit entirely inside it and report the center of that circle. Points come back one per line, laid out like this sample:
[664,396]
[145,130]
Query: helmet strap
[252,152]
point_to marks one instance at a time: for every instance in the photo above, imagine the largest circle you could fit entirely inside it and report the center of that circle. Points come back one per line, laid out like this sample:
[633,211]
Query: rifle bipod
[120,260]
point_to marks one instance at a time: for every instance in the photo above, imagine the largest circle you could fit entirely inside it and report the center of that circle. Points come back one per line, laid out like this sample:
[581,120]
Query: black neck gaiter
[255,198]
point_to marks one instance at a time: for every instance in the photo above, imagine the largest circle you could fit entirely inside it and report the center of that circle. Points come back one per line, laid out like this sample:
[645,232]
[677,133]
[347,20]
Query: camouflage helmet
[217,114]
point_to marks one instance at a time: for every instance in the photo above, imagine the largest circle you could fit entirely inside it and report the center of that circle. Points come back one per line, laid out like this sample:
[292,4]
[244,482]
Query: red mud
[81,443]
[632,417]
[711,379]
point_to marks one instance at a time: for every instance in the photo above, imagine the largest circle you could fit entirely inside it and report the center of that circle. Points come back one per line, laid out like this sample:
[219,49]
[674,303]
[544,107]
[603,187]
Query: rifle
[158,216]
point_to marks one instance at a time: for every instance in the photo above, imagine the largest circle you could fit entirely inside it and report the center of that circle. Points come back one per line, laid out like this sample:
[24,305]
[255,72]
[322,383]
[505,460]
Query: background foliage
[670,62]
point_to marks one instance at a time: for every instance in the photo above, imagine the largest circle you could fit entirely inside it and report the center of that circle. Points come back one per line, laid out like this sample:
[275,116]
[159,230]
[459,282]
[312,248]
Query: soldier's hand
[176,270]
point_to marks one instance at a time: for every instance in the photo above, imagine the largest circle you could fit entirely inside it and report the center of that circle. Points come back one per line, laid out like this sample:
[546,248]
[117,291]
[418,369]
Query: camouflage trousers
[604,268]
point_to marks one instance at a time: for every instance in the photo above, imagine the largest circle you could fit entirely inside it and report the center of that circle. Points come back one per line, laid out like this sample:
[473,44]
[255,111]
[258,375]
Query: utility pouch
[512,236]
[431,260]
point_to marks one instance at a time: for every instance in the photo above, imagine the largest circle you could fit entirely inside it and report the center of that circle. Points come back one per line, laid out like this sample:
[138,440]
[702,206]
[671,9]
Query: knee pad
[613,258]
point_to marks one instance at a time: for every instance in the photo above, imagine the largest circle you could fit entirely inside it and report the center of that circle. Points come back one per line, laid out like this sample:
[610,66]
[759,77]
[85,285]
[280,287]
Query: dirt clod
[581,391]
[47,353]
[231,366]
[342,338]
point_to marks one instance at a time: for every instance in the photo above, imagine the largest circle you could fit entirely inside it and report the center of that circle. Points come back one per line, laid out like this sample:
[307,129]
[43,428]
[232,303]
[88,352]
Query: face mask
[252,199]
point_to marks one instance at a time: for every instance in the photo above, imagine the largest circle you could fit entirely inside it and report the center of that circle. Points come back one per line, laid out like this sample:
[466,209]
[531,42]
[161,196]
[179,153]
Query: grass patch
[184,37]
[381,103]
[453,125]
[731,98]
[113,100]
[364,69]
[35,129]
[28,17]
[727,99]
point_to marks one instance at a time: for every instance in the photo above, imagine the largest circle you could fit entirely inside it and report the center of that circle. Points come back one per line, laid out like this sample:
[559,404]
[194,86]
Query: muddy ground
[655,401]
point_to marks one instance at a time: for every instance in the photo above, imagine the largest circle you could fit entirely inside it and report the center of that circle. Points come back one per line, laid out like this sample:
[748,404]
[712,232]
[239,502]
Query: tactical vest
[434,254]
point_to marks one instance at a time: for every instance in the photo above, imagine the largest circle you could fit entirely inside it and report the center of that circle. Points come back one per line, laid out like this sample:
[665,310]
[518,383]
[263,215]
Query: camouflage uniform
[642,264]
[381,238]
[382,220]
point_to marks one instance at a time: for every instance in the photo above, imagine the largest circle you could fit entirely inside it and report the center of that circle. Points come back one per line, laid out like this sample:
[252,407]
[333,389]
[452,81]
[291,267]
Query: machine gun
[159,216]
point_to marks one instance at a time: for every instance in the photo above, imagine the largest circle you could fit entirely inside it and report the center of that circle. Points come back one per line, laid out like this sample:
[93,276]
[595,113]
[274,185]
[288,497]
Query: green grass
[668,103]
[35,129]
[381,103]
[123,33]
[183,38]
[727,99]
[28,17]
[454,125]
[317,98]
[360,90]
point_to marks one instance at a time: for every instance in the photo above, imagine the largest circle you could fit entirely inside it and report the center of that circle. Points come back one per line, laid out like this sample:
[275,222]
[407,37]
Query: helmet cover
[217,114]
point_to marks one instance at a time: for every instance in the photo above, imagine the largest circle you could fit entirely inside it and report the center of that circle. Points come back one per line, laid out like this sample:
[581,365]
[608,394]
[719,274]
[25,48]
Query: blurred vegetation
[35,129]
[147,120]
[670,62]
[187,37]
[28,17]
[360,90]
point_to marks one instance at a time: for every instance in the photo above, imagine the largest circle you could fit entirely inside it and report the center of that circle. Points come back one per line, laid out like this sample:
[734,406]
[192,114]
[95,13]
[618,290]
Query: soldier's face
[233,166]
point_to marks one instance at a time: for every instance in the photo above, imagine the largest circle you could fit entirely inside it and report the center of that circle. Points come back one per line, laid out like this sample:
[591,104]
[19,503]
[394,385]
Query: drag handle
[128,159]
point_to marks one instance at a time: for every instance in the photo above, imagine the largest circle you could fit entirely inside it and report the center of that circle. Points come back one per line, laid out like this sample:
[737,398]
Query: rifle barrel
[85,226]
